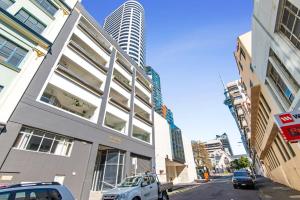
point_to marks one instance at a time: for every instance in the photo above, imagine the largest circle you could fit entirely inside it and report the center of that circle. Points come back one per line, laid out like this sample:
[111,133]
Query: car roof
[26,186]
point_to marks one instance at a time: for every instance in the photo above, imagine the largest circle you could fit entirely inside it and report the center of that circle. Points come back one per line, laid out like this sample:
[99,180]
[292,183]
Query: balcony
[122,80]
[119,100]
[142,115]
[145,83]
[68,102]
[115,123]
[88,54]
[94,35]
[143,97]
[125,66]
[141,134]
[240,111]
[79,76]
[244,123]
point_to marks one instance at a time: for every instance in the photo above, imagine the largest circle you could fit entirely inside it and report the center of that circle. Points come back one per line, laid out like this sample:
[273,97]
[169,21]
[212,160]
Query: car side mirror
[144,184]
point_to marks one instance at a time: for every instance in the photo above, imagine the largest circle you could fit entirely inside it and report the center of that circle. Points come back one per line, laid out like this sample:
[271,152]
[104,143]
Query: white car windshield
[131,181]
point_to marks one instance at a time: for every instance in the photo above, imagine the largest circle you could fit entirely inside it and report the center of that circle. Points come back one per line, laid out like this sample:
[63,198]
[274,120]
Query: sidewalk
[269,190]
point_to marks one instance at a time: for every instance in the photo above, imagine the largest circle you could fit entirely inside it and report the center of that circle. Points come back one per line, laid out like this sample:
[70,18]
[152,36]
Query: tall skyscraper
[127,26]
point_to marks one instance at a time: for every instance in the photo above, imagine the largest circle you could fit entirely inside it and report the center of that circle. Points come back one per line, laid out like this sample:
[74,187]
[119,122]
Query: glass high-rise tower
[127,26]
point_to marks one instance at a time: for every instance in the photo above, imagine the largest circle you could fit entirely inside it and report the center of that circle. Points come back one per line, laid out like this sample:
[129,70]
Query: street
[218,189]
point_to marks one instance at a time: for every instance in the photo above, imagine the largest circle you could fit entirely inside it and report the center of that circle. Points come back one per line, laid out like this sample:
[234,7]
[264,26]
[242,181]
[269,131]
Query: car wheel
[164,196]
[135,198]
[235,186]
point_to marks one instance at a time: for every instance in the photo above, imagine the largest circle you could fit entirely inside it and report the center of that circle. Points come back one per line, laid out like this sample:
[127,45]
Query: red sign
[291,133]
[286,118]
[289,125]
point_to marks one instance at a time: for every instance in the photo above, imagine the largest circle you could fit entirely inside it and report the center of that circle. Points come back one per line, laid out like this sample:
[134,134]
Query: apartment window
[48,6]
[251,84]
[11,53]
[290,23]
[141,134]
[4,4]
[242,54]
[1,87]
[41,141]
[26,18]
[279,83]
[251,67]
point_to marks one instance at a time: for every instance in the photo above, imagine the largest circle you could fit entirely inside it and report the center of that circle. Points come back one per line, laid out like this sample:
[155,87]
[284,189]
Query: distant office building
[127,26]
[225,141]
[219,157]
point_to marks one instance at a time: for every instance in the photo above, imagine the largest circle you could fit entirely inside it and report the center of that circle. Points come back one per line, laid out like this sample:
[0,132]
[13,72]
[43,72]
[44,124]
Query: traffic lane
[219,189]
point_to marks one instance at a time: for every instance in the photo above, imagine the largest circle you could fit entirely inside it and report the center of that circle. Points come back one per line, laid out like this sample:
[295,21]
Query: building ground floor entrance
[113,165]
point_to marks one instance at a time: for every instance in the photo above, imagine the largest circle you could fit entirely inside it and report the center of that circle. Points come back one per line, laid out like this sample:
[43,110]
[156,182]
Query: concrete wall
[189,160]
[163,147]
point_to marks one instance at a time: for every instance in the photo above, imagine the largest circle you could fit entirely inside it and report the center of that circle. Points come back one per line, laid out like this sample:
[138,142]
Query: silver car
[35,191]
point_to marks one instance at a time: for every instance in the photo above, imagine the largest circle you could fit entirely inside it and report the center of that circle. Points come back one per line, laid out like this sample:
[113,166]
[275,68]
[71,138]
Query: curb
[183,190]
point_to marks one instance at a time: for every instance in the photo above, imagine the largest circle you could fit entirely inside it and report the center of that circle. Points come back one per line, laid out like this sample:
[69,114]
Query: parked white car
[141,187]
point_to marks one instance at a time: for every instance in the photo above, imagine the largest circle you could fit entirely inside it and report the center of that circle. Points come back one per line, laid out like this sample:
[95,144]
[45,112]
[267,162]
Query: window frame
[45,9]
[24,138]
[30,16]
[12,2]
[13,53]
[282,27]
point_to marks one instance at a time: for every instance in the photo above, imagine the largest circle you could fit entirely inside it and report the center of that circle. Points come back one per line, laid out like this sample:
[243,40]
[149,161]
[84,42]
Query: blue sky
[188,43]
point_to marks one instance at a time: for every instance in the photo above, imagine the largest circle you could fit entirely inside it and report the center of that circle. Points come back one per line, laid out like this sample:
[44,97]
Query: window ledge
[10,67]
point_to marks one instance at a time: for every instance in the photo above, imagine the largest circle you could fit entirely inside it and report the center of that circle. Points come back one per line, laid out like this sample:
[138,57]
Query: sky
[189,43]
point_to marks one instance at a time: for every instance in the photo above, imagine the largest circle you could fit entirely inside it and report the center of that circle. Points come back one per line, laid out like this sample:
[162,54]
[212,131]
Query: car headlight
[122,196]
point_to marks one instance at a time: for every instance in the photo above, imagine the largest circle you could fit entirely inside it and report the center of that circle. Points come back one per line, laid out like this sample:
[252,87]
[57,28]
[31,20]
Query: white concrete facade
[167,169]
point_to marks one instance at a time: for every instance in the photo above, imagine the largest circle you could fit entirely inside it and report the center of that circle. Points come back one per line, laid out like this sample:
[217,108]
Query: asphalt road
[217,189]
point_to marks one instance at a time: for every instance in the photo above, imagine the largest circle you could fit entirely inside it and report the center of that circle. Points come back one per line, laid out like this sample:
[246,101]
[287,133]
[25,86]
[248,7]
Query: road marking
[294,197]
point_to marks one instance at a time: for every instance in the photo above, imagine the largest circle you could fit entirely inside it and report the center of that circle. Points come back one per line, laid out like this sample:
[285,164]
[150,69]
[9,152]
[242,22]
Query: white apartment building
[127,26]
[166,167]
[85,118]
[27,32]
[275,61]
[240,109]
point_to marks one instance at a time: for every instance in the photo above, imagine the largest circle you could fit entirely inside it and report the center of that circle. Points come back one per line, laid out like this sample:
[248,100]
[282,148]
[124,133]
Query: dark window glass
[11,53]
[4,4]
[5,196]
[1,87]
[48,6]
[30,21]
[34,143]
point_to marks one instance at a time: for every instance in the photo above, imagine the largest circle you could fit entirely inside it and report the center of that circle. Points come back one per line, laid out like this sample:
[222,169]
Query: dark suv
[35,191]
[243,178]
